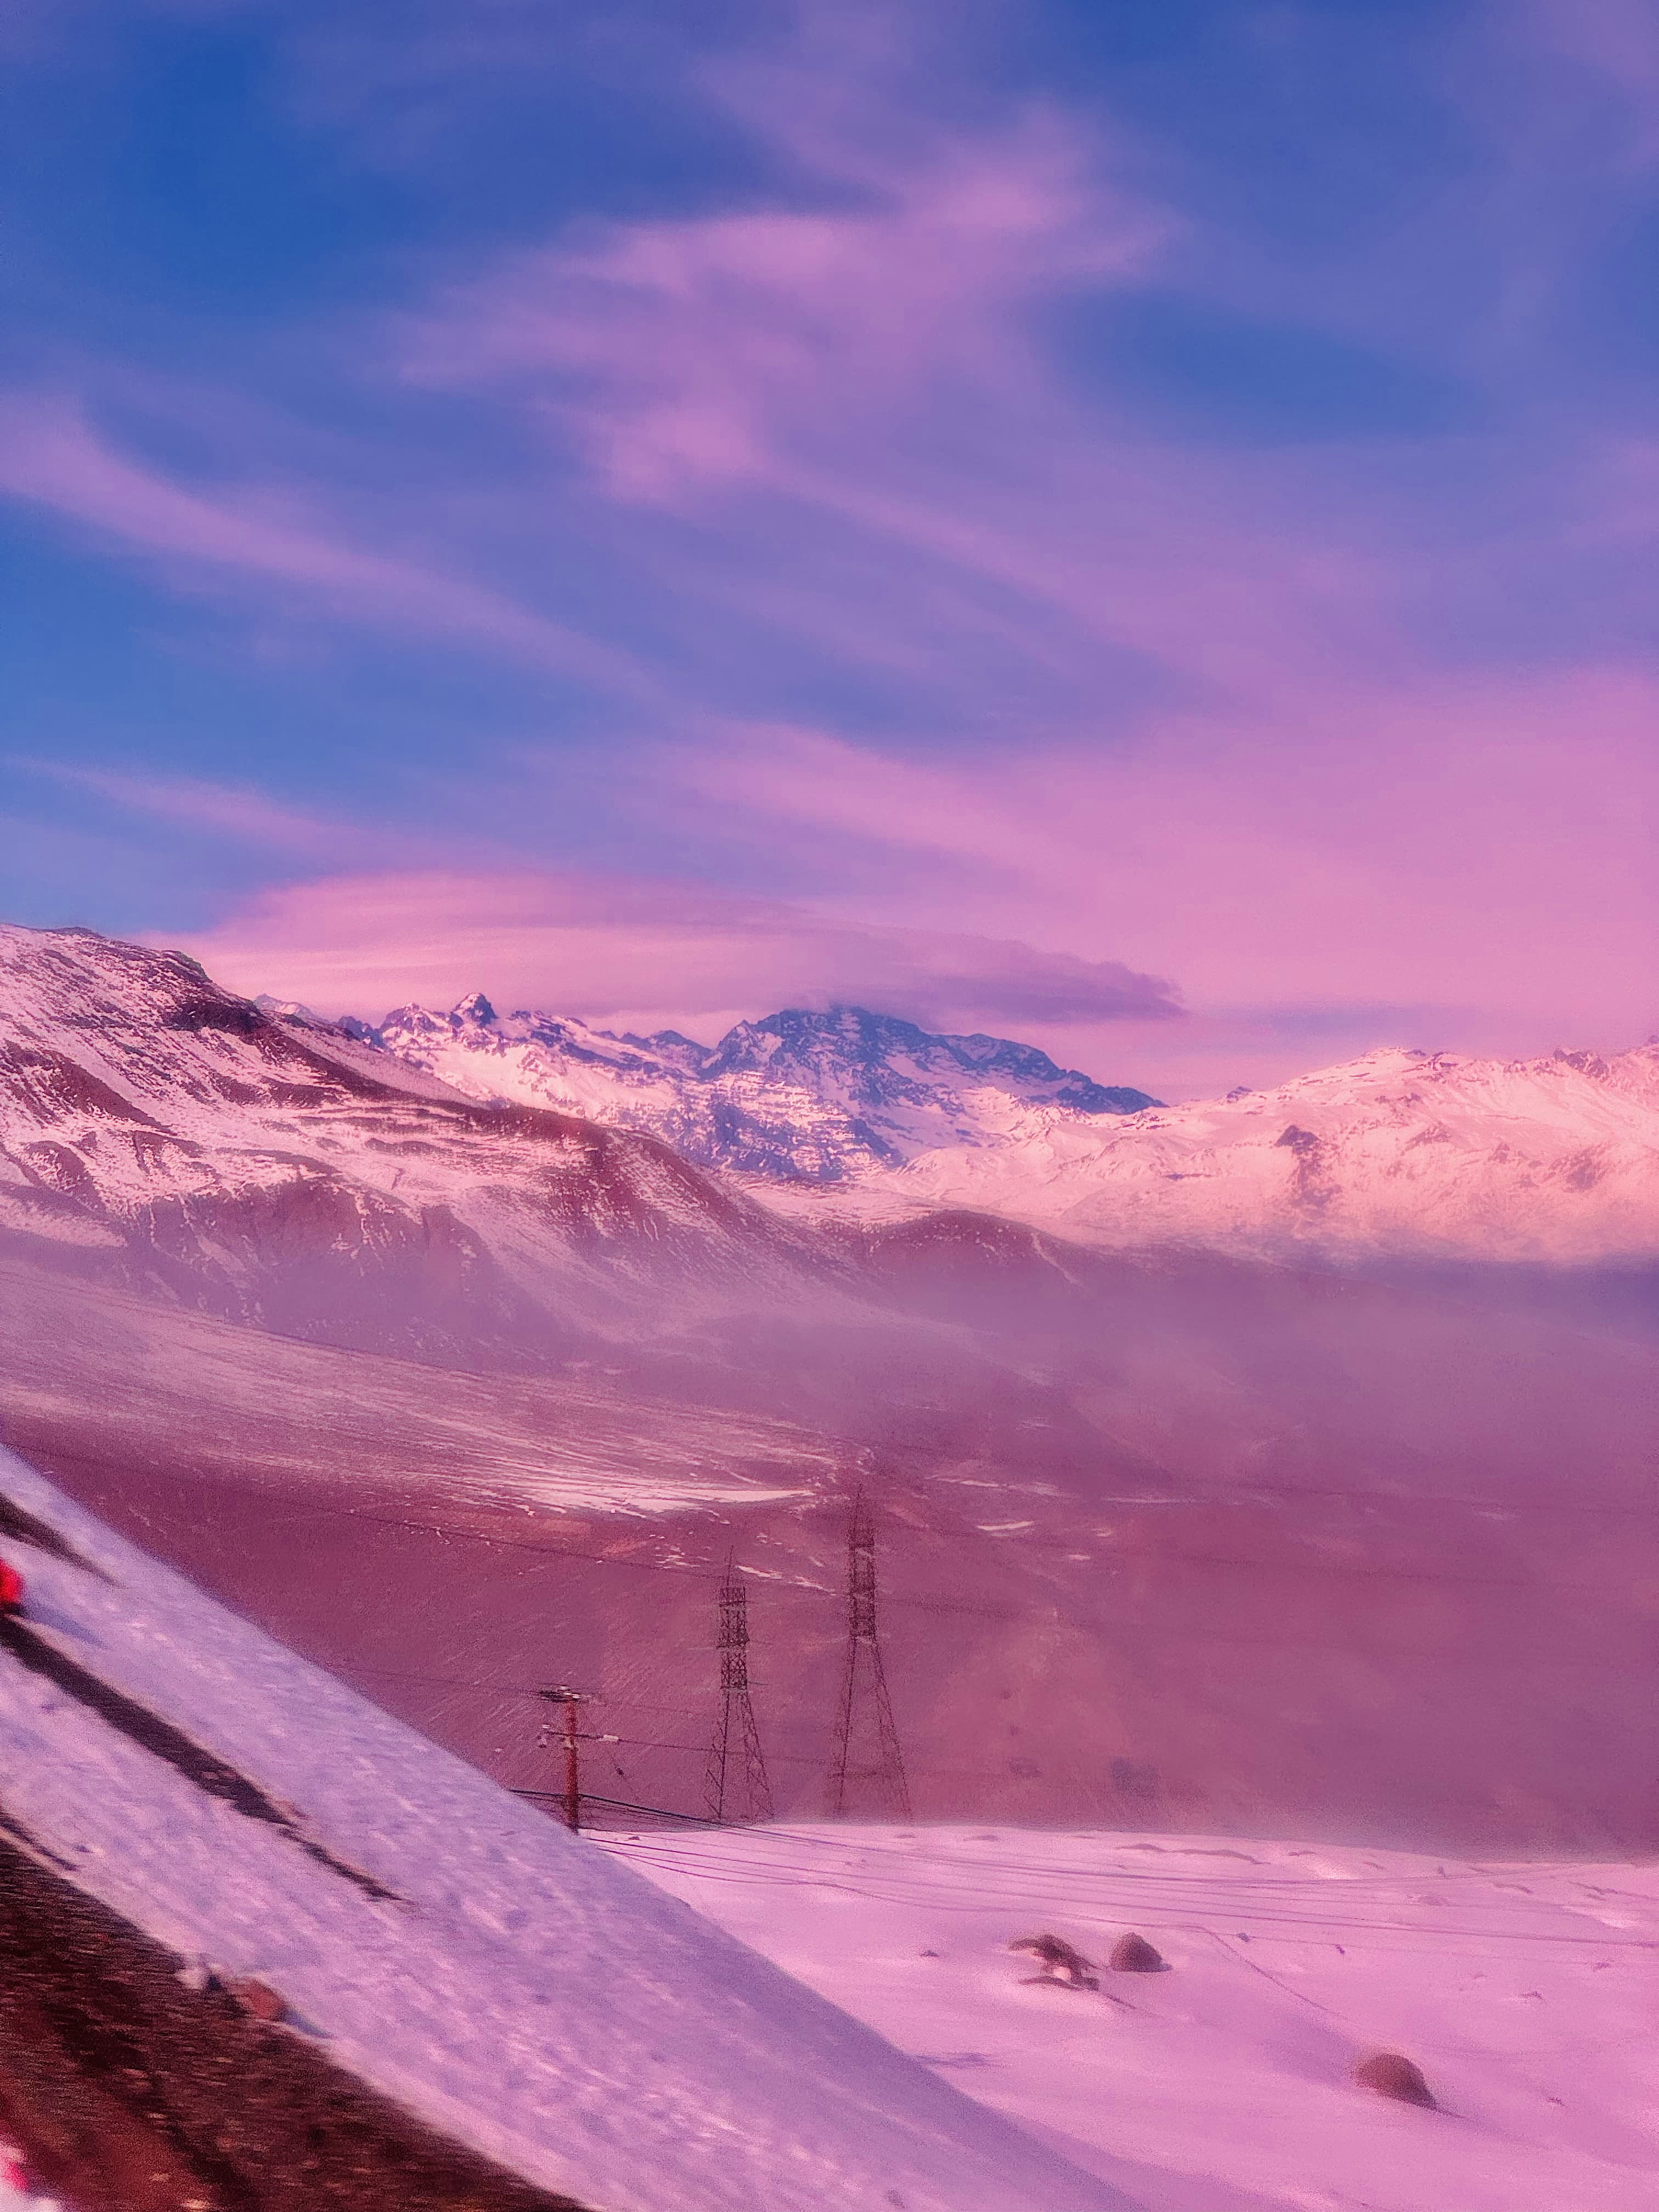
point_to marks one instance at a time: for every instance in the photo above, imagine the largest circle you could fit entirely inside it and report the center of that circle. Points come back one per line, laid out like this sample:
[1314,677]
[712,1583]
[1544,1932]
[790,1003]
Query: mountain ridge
[173,1134]
[816,1098]
[851,1115]
[1397,1151]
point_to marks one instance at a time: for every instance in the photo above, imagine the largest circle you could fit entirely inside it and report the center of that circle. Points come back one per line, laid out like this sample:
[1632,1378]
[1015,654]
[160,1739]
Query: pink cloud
[859,405]
[641,954]
[1439,849]
[51,456]
[690,354]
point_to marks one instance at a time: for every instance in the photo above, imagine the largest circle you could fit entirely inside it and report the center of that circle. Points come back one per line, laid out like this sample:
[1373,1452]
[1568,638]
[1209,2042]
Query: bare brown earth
[1168,1544]
[1397,1648]
[130,2092]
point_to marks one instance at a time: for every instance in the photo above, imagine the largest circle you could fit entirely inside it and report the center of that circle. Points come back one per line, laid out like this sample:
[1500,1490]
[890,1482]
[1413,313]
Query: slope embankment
[478,2008]
[130,2089]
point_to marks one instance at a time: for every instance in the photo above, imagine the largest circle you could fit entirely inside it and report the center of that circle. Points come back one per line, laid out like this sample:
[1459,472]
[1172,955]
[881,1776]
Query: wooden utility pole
[573,1737]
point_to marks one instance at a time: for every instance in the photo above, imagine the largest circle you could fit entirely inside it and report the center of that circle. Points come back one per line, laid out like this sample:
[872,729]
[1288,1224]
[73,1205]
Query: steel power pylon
[867,1746]
[735,1785]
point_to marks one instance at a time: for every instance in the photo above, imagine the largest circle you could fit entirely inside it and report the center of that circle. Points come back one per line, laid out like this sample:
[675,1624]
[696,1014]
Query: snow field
[1528,1993]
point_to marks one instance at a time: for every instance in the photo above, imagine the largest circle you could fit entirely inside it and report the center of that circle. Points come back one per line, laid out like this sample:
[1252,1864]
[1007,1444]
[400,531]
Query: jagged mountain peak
[874,1052]
[801,1094]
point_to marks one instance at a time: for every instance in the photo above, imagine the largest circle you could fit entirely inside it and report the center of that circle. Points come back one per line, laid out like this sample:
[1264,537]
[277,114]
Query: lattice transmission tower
[735,1785]
[867,1746]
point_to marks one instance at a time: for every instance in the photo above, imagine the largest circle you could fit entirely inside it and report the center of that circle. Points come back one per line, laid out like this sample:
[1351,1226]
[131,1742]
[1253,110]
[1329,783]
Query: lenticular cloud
[602,949]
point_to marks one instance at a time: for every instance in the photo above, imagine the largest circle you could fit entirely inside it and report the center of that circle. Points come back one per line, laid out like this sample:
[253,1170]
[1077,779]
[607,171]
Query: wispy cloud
[1470,842]
[245,816]
[690,354]
[861,409]
[1616,42]
[52,456]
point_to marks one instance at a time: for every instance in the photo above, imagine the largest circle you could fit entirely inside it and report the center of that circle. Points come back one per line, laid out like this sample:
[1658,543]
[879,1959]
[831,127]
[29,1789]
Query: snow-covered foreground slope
[519,1990]
[1525,1993]
[1398,1153]
[813,1096]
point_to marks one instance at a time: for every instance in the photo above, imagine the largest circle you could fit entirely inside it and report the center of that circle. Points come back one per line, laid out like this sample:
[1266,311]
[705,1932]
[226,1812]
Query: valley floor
[1527,1992]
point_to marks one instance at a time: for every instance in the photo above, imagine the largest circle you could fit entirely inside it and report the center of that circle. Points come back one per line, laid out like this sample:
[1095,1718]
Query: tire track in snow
[212,1775]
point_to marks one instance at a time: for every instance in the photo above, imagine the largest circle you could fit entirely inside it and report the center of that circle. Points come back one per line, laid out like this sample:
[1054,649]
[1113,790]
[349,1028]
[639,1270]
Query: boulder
[258,1999]
[1388,2074]
[1133,1954]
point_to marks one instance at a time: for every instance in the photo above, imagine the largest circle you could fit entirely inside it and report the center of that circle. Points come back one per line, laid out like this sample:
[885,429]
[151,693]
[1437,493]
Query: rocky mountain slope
[158,1131]
[817,1097]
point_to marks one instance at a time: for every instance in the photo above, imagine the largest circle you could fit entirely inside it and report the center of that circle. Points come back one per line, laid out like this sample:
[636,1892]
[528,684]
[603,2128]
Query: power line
[606,1559]
[1075,1551]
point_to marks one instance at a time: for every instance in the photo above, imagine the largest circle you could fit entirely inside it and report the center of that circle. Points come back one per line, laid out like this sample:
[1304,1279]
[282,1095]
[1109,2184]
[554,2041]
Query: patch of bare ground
[130,2091]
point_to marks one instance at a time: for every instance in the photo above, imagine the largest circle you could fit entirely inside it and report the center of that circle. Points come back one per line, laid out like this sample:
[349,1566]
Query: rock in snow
[1524,1989]
[510,1984]
[1389,2073]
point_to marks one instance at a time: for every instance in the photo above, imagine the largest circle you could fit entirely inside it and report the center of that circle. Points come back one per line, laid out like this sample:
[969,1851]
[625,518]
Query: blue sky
[1132,526]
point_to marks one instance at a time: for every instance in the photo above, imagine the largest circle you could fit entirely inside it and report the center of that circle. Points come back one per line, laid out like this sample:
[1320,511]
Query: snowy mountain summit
[813,1097]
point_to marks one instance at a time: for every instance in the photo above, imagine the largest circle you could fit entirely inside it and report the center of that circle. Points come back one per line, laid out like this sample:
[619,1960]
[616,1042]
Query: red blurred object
[11,1589]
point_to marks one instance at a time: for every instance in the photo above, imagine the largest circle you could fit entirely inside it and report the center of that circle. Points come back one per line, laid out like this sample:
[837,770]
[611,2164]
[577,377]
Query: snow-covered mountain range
[1427,1155]
[1399,1152]
[818,1096]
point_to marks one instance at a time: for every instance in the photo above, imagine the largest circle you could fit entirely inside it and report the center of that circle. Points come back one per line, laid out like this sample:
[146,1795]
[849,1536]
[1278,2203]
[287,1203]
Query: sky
[1131,527]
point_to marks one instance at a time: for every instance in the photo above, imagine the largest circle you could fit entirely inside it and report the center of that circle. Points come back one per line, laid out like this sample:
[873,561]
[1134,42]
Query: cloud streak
[691,355]
[245,817]
[51,457]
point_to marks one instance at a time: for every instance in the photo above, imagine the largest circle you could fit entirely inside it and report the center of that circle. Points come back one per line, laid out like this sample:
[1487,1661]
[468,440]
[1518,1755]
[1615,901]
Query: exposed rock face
[168,1136]
[129,2091]
[257,1999]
